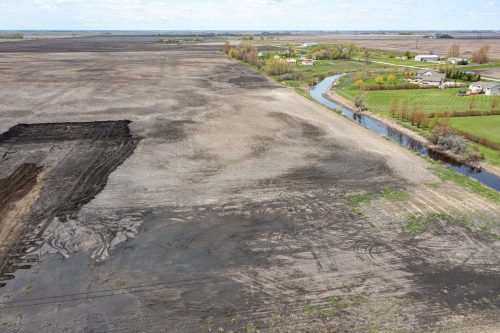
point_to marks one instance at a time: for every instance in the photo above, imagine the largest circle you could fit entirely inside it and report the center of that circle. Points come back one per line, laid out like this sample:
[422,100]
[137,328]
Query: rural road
[227,201]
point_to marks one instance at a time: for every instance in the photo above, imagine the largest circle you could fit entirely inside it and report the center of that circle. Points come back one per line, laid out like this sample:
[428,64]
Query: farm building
[310,44]
[308,62]
[427,57]
[291,61]
[487,88]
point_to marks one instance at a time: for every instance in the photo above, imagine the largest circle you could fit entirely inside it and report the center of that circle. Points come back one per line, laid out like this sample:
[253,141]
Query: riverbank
[392,124]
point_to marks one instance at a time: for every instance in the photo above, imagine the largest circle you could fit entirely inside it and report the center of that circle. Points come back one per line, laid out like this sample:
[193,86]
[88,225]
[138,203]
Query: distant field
[485,126]
[415,43]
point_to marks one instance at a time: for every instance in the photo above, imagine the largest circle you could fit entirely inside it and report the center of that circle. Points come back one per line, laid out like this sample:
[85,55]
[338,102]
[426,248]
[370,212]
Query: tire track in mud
[76,168]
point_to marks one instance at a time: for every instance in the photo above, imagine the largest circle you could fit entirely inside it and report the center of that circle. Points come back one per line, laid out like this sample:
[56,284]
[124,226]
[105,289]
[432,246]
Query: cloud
[246,14]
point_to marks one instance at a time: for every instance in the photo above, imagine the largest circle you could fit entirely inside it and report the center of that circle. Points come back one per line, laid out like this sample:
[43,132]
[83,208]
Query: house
[487,88]
[427,57]
[308,62]
[303,57]
[310,44]
[430,77]
[276,57]
[291,61]
[260,54]
[457,61]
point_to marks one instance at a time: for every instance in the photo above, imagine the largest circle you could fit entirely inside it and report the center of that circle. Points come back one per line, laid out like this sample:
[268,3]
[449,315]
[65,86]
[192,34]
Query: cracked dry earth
[226,203]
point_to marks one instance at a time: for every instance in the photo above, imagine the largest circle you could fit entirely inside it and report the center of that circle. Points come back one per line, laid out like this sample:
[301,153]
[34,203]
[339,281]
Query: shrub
[379,80]
[359,83]
[392,79]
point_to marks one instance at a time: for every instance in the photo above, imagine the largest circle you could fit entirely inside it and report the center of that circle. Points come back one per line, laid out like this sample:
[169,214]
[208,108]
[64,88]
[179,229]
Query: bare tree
[481,56]
[472,103]
[454,51]
[494,103]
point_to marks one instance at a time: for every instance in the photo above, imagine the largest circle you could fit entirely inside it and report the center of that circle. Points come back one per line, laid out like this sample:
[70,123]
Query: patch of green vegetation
[27,290]
[433,185]
[358,199]
[393,195]
[416,224]
[487,127]
[448,174]
[364,198]
[14,35]
[429,100]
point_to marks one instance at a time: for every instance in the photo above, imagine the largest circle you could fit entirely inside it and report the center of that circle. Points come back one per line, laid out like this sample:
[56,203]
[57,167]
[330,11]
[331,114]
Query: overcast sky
[250,14]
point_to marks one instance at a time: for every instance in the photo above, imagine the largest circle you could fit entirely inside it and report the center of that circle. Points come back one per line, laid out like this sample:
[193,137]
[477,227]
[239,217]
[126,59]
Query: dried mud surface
[232,204]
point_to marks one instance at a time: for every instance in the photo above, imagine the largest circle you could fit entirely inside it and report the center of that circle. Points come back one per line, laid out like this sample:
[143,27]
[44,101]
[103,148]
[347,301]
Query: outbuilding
[427,57]
[310,44]
[291,61]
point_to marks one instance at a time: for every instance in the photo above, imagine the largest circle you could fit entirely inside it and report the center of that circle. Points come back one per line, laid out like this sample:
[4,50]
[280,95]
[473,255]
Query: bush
[456,143]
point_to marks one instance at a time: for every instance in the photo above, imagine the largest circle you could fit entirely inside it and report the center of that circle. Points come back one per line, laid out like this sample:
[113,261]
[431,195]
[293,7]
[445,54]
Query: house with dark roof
[430,77]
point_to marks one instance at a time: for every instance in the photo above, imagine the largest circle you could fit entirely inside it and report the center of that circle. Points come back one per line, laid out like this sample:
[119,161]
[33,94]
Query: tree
[379,80]
[227,47]
[359,101]
[392,79]
[454,51]
[471,103]
[481,56]
[404,109]
[494,102]
[359,83]
[394,110]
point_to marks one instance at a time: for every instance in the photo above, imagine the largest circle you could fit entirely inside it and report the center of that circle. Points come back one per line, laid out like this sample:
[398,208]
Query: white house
[487,88]
[308,62]
[310,44]
[456,60]
[427,57]
[260,54]
[291,61]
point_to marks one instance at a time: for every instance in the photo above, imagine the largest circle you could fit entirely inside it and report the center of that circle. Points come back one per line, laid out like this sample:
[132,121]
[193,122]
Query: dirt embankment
[17,192]
[77,159]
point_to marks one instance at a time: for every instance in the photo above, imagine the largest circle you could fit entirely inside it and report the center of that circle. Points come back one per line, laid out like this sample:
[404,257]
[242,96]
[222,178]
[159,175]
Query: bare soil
[228,202]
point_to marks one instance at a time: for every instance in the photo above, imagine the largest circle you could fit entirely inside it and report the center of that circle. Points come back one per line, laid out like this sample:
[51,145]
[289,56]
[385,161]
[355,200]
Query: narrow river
[402,139]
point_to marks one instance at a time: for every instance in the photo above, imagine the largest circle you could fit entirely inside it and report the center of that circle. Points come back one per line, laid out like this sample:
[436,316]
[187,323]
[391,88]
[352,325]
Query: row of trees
[416,115]
[337,52]
[248,53]
[454,74]
[245,52]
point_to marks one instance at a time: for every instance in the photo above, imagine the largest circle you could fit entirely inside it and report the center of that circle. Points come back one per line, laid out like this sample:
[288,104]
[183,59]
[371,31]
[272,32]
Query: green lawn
[485,126]
[430,100]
